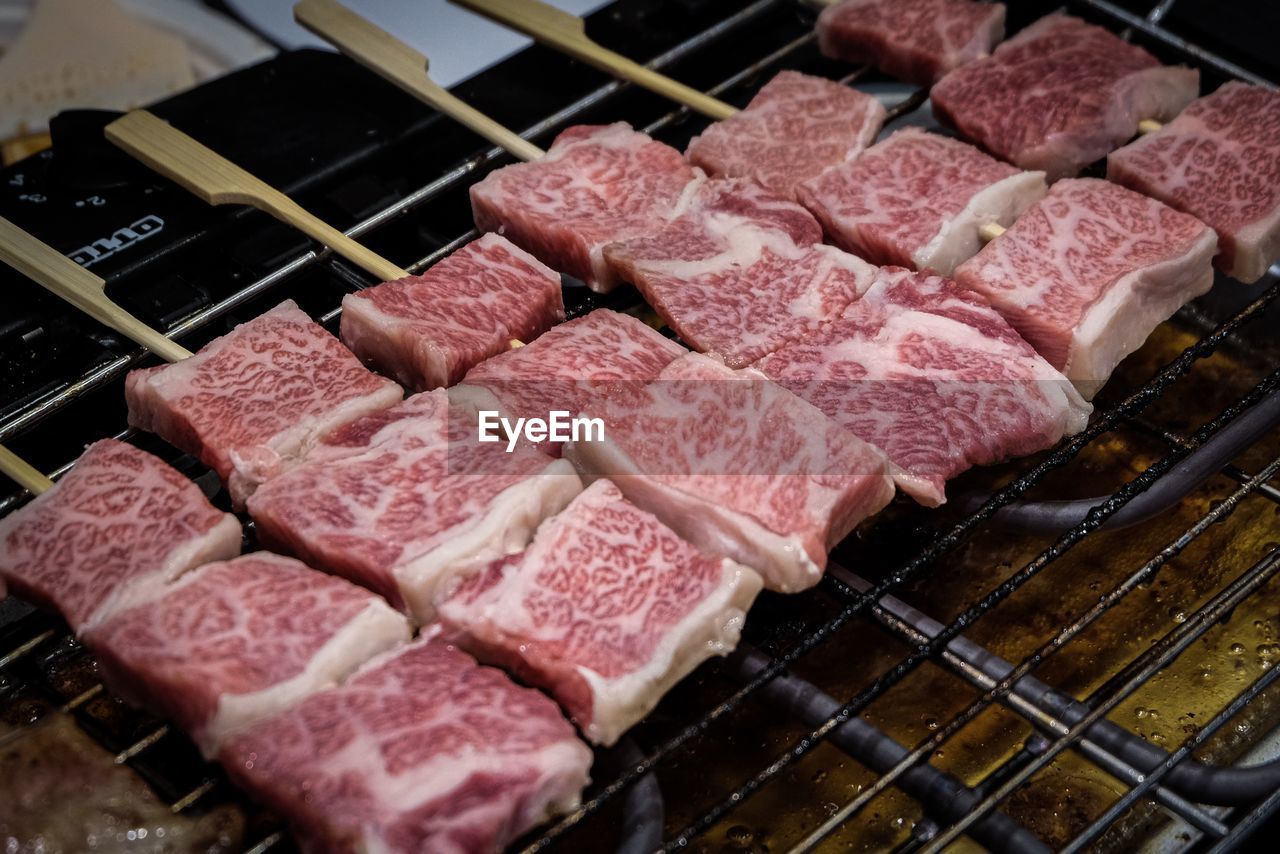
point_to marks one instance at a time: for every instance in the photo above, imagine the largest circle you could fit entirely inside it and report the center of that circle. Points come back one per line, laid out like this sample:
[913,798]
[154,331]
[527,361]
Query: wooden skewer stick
[218,181]
[567,33]
[379,51]
[22,472]
[67,279]
[991,231]
[1147,126]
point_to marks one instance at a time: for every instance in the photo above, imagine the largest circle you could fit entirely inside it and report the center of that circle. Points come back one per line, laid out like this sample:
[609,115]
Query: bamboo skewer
[379,51]
[567,33]
[54,271]
[991,231]
[22,472]
[218,181]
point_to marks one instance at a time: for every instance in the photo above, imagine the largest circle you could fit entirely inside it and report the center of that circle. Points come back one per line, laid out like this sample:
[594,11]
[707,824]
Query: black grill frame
[859,600]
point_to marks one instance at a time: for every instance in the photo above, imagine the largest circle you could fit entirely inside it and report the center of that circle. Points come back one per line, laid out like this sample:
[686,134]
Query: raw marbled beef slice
[237,641]
[1219,160]
[918,200]
[595,185]
[421,750]
[111,532]
[1089,271]
[741,272]
[738,466]
[252,402]
[429,330]
[1060,95]
[606,610]
[913,40]
[405,500]
[929,372]
[571,366]
[796,127]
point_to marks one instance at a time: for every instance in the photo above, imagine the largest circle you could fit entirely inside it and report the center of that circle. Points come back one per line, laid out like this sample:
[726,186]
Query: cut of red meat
[739,467]
[1220,161]
[596,184]
[606,610]
[110,533]
[404,500]
[741,272]
[918,200]
[571,366]
[929,372]
[241,640]
[1060,95]
[252,402]
[429,330]
[795,127]
[421,750]
[913,40]
[1088,272]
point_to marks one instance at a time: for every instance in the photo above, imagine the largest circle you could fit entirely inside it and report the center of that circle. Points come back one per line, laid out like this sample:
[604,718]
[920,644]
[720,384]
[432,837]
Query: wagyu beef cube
[738,466]
[596,184]
[741,272]
[1088,272]
[429,330]
[252,402]
[929,372]
[913,40]
[421,750]
[606,610]
[238,641]
[405,500]
[919,200]
[796,127]
[1220,161]
[571,366]
[113,530]
[1060,95]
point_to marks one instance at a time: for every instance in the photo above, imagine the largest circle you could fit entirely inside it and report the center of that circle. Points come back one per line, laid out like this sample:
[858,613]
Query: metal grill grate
[1214,807]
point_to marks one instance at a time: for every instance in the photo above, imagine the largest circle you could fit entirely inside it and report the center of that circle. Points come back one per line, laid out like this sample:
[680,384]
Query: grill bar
[1069,731]
[926,651]
[1155,659]
[1094,830]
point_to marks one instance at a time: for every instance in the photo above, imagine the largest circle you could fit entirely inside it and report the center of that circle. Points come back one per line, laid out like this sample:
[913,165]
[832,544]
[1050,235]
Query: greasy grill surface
[1168,629]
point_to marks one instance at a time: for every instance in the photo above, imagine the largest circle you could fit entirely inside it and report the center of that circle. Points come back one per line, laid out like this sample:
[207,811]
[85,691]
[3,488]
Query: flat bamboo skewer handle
[59,274]
[218,181]
[22,472]
[379,51]
[567,33]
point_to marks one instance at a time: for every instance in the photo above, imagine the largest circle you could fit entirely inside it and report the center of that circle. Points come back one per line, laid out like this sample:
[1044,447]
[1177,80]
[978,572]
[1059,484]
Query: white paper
[458,44]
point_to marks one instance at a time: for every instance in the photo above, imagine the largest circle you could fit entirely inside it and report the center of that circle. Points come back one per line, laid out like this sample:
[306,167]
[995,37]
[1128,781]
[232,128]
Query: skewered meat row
[914,40]
[236,650]
[1219,160]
